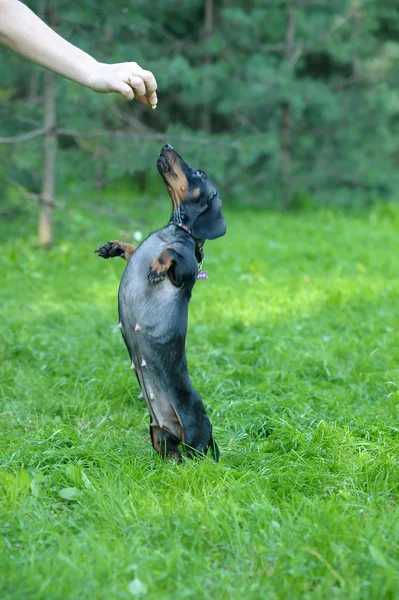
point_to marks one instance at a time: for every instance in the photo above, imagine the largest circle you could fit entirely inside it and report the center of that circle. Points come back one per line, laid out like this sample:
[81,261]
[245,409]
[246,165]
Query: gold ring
[130,78]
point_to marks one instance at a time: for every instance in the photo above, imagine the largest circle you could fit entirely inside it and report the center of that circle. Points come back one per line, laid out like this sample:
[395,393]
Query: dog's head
[195,198]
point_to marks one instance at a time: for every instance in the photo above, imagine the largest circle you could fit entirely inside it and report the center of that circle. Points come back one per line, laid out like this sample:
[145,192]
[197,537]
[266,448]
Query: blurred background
[286,103]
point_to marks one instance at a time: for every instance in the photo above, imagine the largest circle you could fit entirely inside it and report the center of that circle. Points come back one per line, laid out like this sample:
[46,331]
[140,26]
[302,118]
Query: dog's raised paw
[155,276]
[110,250]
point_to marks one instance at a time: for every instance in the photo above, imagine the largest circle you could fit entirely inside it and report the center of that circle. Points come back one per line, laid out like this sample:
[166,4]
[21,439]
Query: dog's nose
[168,147]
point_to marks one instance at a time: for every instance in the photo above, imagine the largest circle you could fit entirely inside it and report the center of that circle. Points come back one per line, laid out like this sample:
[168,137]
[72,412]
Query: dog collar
[199,250]
[182,226]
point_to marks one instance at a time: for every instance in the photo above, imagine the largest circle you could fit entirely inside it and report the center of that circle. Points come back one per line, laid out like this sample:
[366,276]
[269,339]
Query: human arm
[24,33]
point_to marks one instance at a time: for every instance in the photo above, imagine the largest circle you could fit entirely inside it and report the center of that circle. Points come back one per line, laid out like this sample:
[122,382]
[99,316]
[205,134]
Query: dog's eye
[198,173]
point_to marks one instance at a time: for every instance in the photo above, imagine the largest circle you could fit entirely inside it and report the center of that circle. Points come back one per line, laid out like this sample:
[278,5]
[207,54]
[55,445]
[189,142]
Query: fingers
[135,89]
[153,99]
[137,85]
[143,83]
[129,79]
[148,101]
[125,89]
[138,92]
[149,80]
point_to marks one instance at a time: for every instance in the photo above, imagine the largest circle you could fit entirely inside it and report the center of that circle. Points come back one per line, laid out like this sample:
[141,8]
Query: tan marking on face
[197,193]
[177,184]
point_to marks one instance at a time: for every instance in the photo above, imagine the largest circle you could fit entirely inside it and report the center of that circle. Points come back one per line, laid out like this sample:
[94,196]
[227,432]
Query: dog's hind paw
[156,276]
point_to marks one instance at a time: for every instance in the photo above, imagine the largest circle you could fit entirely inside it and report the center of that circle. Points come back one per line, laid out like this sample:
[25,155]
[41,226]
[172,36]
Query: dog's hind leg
[115,248]
[165,443]
[198,438]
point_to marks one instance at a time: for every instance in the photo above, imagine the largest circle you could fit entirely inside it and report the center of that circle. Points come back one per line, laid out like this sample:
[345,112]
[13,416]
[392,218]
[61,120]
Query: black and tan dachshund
[153,307]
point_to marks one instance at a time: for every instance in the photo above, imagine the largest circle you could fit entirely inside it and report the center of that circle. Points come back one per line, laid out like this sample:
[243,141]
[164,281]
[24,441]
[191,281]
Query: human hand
[129,79]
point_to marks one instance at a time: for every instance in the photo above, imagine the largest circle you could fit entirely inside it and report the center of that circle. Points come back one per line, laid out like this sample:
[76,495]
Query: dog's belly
[153,321]
[159,309]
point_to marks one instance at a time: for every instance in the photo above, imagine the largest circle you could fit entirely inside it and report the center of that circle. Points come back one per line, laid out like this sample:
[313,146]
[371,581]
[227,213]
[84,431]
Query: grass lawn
[294,344]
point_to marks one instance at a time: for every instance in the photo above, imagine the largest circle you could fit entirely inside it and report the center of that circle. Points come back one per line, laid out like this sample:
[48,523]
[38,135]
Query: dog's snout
[167,147]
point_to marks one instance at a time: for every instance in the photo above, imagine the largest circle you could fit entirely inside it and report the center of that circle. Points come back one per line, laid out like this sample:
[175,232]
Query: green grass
[294,344]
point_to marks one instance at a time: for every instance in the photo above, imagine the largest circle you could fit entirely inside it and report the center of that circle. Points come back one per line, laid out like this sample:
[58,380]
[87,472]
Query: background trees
[283,100]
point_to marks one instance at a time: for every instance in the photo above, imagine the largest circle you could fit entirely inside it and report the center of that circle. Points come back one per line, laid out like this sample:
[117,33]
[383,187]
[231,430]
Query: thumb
[124,89]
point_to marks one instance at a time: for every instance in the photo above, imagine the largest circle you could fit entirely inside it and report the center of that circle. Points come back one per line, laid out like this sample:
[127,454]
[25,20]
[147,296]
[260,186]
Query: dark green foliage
[282,98]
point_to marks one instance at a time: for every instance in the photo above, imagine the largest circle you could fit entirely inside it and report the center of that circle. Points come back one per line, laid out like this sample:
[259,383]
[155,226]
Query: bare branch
[296,55]
[290,36]
[23,136]
[24,119]
[162,137]
[247,124]
[22,189]
[340,22]
[272,47]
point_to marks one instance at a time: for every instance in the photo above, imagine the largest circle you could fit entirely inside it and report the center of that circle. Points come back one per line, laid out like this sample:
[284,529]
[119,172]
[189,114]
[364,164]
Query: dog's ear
[211,223]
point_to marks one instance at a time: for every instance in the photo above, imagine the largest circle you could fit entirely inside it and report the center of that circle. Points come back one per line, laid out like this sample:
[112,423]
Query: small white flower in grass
[137,587]
[138,236]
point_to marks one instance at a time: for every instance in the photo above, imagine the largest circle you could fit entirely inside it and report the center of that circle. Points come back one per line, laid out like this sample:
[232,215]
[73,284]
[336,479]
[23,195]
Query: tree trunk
[35,79]
[33,95]
[286,126]
[50,149]
[206,115]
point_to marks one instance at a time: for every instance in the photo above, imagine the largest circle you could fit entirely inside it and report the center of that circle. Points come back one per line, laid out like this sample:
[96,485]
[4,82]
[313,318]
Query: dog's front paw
[110,250]
[156,276]
[160,266]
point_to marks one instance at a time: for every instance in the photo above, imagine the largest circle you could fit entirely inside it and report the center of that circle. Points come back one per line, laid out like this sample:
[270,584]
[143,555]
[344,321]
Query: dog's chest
[160,309]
